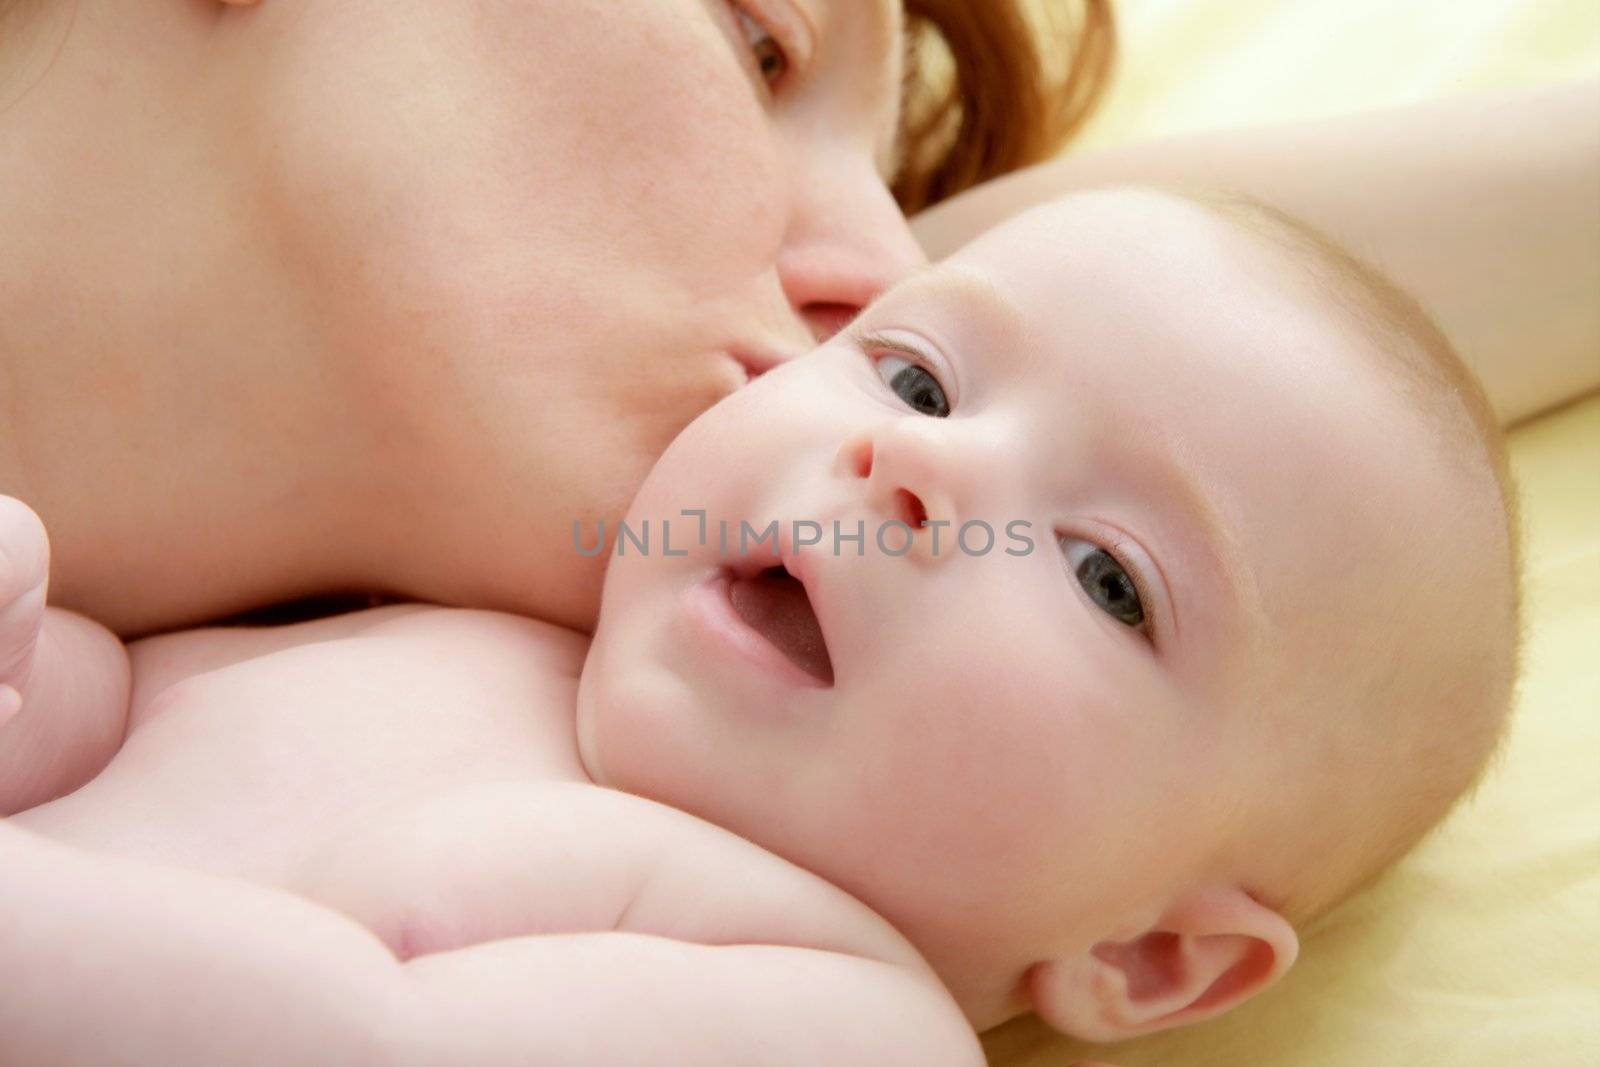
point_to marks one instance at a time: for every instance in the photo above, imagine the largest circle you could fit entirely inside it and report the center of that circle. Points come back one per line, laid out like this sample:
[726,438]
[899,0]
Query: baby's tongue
[775,605]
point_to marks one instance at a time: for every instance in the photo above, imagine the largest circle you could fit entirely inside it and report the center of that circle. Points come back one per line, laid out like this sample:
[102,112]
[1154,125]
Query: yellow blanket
[1483,947]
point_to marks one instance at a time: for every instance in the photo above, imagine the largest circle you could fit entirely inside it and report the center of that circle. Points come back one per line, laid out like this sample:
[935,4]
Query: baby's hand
[24,569]
[63,679]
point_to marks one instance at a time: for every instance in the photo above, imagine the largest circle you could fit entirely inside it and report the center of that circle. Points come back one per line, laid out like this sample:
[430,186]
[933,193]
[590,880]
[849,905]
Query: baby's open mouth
[774,604]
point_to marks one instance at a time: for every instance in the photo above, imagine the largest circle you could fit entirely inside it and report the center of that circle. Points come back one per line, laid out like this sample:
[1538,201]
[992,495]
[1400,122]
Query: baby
[1104,604]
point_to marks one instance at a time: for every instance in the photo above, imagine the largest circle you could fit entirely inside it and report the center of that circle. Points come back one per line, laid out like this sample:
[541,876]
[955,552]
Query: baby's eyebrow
[978,292]
[1193,504]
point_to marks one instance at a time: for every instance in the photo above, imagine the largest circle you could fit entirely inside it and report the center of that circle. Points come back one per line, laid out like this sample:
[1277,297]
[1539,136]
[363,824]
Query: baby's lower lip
[710,603]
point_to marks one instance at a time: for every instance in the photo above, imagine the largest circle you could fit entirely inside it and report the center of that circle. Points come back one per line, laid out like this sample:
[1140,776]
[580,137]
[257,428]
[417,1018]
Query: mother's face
[540,236]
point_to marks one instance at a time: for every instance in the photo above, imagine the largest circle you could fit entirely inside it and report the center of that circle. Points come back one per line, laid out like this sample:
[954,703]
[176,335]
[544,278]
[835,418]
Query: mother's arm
[1486,207]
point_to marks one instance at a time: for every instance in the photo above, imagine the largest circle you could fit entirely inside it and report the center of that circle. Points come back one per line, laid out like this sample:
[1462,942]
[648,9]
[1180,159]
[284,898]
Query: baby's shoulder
[421,637]
[678,922]
[508,859]
[187,652]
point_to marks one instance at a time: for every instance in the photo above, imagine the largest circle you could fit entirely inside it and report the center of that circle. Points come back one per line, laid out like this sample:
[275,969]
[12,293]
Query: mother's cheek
[645,121]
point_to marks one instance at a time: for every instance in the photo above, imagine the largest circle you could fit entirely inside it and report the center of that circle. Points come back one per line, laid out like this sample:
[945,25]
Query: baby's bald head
[1410,684]
[1266,641]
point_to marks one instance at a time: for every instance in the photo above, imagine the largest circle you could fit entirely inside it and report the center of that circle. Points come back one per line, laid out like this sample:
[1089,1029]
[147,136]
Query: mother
[333,295]
[349,295]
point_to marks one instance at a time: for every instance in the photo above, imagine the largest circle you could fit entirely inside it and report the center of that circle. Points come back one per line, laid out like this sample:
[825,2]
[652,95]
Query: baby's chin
[615,720]
[586,729]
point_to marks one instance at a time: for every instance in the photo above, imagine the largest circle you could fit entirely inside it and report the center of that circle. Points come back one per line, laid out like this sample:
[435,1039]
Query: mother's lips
[757,360]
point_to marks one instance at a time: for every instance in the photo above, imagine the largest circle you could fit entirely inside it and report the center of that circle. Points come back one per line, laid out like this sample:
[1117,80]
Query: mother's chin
[514,502]
[383,296]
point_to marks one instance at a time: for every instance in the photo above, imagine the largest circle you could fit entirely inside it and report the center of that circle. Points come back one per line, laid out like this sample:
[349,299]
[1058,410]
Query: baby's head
[1239,628]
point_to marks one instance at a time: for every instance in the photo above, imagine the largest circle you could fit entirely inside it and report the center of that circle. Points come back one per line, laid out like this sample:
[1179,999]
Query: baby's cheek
[1046,722]
[972,749]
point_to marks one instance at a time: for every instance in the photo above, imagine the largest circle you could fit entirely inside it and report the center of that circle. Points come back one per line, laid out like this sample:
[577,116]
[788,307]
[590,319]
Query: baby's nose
[908,508]
[902,487]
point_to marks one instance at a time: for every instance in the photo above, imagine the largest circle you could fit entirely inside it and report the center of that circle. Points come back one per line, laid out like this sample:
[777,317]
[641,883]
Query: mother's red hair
[995,85]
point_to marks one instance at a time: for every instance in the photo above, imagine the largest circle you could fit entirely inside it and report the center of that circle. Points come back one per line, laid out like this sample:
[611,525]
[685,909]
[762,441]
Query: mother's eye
[1106,581]
[770,58]
[914,384]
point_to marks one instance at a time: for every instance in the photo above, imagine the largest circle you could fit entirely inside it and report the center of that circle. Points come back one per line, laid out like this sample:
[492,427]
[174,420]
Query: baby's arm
[64,680]
[116,962]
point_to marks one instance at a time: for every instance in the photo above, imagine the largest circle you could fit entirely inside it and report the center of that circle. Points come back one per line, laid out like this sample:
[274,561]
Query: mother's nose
[845,243]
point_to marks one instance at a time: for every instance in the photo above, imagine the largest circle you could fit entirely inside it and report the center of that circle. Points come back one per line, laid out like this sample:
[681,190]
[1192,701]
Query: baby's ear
[1210,951]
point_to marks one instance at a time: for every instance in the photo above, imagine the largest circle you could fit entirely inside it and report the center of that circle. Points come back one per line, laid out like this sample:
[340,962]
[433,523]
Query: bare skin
[458,891]
[1034,808]
[1482,206]
[287,349]
[294,347]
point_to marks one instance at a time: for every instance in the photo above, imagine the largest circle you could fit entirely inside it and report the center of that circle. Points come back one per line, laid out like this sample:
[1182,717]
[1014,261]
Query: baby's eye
[914,384]
[769,55]
[1105,580]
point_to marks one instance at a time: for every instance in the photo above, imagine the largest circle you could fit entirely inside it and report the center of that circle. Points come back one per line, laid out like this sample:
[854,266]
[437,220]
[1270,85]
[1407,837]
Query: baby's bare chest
[422,776]
[250,750]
